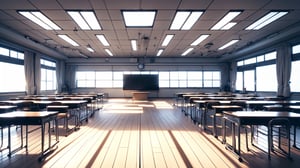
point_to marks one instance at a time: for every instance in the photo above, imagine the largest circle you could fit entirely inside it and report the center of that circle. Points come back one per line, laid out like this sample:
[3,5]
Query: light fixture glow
[228,44]
[265,20]
[139,18]
[167,39]
[191,20]
[222,24]
[187,51]
[200,39]
[159,52]
[184,20]
[86,20]
[134,45]
[40,19]
[102,39]
[90,49]
[108,52]
[68,39]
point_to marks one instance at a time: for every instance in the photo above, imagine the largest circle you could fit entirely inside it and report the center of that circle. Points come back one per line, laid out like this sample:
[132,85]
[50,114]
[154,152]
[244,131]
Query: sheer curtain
[283,67]
[60,71]
[29,58]
[233,74]
[37,70]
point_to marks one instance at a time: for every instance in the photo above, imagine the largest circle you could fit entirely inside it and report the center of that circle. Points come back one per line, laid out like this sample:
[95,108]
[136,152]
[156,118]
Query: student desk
[30,118]
[241,118]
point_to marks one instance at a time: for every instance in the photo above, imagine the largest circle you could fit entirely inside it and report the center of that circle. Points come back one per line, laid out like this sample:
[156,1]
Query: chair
[279,123]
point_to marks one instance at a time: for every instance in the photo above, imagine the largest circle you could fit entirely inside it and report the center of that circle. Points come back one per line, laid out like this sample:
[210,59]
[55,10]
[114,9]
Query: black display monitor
[140,82]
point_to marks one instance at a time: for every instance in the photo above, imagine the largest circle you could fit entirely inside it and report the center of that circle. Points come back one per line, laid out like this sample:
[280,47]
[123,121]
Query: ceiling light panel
[102,39]
[225,23]
[40,19]
[108,52]
[228,44]
[187,51]
[200,39]
[267,19]
[86,20]
[184,20]
[167,40]
[68,39]
[90,49]
[134,45]
[159,52]
[139,19]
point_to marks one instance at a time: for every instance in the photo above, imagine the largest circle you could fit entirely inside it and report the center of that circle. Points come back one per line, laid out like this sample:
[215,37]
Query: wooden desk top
[262,114]
[30,114]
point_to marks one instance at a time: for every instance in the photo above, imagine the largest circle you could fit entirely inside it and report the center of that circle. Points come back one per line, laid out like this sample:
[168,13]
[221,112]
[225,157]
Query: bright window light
[139,18]
[199,39]
[167,39]
[102,39]
[265,20]
[184,20]
[86,20]
[134,45]
[223,23]
[40,19]
[187,51]
[159,52]
[68,39]
[228,44]
[108,52]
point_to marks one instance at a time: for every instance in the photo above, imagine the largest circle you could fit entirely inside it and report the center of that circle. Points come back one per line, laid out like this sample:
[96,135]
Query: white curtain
[37,70]
[29,72]
[70,76]
[233,73]
[60,71]
[283,67]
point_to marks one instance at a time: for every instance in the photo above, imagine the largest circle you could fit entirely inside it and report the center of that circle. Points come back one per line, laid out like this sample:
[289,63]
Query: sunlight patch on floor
[162,105]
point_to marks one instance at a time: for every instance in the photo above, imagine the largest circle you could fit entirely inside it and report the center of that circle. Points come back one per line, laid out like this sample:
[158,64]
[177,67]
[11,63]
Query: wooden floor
[131,134]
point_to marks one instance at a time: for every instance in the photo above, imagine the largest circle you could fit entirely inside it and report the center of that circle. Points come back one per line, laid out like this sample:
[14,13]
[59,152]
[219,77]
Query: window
[266,78]
[48,75]
[252,75]
[12,73]
[296,49]
[295,78]
[167,79]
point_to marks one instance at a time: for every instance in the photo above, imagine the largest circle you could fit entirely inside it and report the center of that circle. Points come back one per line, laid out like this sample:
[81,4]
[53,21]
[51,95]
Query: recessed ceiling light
[200,39]
[184,20]
[40,19]
[108,52]
[144,18]
[159,52]
[86,20]
[90,49]
[102,39]
[187,51]
[223,23]
[228,44]
[134,45]
[167,39]
[267,19]
[68,39]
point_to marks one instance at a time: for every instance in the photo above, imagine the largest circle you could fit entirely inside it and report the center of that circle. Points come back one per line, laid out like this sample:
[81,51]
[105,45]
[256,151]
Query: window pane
[163,84]
[250,61]
[239,81]
[270,56]
[4,51]
[240,63]
[249,81]
[266,78]
[13,54]
[164,76]
[14,77]
[260,58]
[296,49]
[195,75]
[295,77]
[173,75]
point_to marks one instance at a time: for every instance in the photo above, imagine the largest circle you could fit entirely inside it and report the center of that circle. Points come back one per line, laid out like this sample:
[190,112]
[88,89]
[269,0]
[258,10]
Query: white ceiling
[109,15]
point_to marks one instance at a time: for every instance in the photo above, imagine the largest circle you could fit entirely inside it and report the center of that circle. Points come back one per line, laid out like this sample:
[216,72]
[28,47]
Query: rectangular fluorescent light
[102,39]
[187,51]
[167,39]
[267,19]
[228,44]
[40,19]
[223,23]
[90,49]
[108,52]
[200,39]
[134,45]
[159,52]
[184,20]
[68,39]
[86,20]
[143,18]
